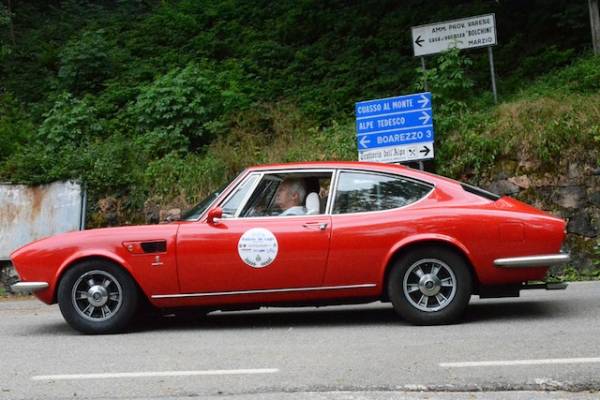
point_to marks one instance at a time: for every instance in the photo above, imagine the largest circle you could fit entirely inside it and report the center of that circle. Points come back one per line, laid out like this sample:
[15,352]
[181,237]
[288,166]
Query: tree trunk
[595,25]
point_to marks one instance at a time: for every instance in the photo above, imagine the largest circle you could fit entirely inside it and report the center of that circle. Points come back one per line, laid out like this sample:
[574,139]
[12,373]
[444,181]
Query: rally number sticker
[258,247]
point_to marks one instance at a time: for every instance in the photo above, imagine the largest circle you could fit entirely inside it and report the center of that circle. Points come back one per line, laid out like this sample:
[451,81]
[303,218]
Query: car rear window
[362,191]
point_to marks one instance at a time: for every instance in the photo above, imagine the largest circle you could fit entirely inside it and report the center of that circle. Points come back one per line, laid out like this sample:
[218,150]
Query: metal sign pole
[425,86]
[493,73]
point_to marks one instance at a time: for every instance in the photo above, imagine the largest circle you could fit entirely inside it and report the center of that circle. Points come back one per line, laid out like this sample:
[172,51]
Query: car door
[247,250]
[370,215]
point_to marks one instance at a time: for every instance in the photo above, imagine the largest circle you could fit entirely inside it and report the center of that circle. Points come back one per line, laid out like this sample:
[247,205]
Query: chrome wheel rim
[429,285]
[97,296]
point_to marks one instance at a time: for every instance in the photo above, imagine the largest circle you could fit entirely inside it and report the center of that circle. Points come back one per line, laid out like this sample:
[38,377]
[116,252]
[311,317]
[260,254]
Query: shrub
[448,81]
[190,177]
[85,62]
[5,17]
[582,76]
[15,127]
[185,108]
[70,122]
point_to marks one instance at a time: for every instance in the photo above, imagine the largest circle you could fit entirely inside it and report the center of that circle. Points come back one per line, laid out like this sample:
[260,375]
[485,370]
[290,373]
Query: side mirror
[214,214]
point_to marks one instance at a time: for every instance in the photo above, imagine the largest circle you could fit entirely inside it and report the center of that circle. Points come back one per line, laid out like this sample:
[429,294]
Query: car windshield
[195,212]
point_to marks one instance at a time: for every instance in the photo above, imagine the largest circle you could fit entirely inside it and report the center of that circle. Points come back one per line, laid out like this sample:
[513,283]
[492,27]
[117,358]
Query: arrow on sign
[364,142]
[419,41]
[423,102]
[425,151]
[424,118]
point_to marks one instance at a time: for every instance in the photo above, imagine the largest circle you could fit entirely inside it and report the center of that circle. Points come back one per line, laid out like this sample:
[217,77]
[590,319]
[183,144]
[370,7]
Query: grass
[571,274]
[541,131]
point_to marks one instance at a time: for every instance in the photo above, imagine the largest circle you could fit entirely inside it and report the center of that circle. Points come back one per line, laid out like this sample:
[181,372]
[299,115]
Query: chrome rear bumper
[546,260]
[28,287]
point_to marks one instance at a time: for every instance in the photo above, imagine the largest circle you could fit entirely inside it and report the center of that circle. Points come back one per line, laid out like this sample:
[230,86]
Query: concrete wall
[28,213]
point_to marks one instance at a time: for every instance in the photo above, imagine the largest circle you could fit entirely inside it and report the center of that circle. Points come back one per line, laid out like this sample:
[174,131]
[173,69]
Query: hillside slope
[153,104]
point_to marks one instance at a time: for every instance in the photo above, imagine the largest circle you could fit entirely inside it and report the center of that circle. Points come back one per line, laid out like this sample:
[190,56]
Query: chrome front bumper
[546,260]
[28,287]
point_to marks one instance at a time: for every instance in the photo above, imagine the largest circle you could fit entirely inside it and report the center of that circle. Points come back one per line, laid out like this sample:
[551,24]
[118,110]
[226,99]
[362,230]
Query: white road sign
[400,153]
[464,33]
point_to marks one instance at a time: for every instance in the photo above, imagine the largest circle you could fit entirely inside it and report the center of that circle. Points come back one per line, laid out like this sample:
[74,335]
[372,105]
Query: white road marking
[154,374]
[520,362]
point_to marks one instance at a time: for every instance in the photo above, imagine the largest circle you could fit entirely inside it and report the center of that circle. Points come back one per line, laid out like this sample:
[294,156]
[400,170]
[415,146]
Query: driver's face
[284,198]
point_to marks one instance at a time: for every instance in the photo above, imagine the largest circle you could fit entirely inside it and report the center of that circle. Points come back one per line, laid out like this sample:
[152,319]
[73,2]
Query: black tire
[80,293]
[413,281]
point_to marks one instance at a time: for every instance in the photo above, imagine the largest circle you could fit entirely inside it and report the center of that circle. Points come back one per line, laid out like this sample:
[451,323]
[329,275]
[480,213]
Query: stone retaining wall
[574,196]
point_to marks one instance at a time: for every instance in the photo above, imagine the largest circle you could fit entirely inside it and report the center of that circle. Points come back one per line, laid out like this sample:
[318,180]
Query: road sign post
[425,85]
[493,73]
[395,129]
[464,33]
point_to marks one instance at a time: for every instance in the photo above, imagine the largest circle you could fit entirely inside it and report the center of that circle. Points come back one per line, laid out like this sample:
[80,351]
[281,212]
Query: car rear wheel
[430,286]
[97,296]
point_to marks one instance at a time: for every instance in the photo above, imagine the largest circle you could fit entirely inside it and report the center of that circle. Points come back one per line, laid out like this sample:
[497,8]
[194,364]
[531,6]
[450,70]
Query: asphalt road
[542,345]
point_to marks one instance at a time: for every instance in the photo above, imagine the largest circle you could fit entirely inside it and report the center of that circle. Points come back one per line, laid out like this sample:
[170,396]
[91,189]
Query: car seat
[313,204]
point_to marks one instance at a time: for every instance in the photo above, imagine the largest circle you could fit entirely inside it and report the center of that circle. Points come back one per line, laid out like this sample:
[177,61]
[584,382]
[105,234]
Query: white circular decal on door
[258,247]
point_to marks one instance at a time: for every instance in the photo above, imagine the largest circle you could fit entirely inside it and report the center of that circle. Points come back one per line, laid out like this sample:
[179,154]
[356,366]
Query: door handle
[321,225]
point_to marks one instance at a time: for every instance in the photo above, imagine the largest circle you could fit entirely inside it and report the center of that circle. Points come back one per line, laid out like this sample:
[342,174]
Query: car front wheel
[430,286]
[96,296]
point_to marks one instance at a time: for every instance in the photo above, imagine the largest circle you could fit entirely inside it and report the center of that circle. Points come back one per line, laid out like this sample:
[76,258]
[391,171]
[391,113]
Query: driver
[290,197]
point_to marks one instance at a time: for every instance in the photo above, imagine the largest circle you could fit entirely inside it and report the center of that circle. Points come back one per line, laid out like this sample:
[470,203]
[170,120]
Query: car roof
[363,165]
[329,164]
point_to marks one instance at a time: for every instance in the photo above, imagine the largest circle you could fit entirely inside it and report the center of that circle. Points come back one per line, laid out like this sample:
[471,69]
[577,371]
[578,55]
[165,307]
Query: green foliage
[34,164]
[572,274]
[190,176]
[582,76]
[85,62]
[450,87]
[542,129]
[467,152]
[169,99]
[545,59]
[596,260]
[15,128]
[184,108]
[557,115]
[336,142]
[4,16]
[5,19]
[109,167]
[462,148]
[448,80]
[70,122]
[559,131]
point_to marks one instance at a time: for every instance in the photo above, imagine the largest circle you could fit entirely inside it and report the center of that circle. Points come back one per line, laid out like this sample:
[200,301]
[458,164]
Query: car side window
[261,202]
[361,192]
[289,194]
[231,205]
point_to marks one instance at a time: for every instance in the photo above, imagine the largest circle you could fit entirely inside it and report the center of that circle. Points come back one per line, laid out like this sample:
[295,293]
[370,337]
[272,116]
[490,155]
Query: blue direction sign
[395,129]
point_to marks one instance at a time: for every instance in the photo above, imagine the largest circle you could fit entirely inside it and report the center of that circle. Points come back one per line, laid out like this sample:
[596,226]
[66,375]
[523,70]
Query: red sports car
[304,234]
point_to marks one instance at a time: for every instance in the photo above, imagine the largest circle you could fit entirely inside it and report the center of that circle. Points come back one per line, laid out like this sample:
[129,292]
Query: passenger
[290,197]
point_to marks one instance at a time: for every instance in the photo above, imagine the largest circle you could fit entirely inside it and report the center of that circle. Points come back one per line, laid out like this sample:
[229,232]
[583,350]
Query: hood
[97,238]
